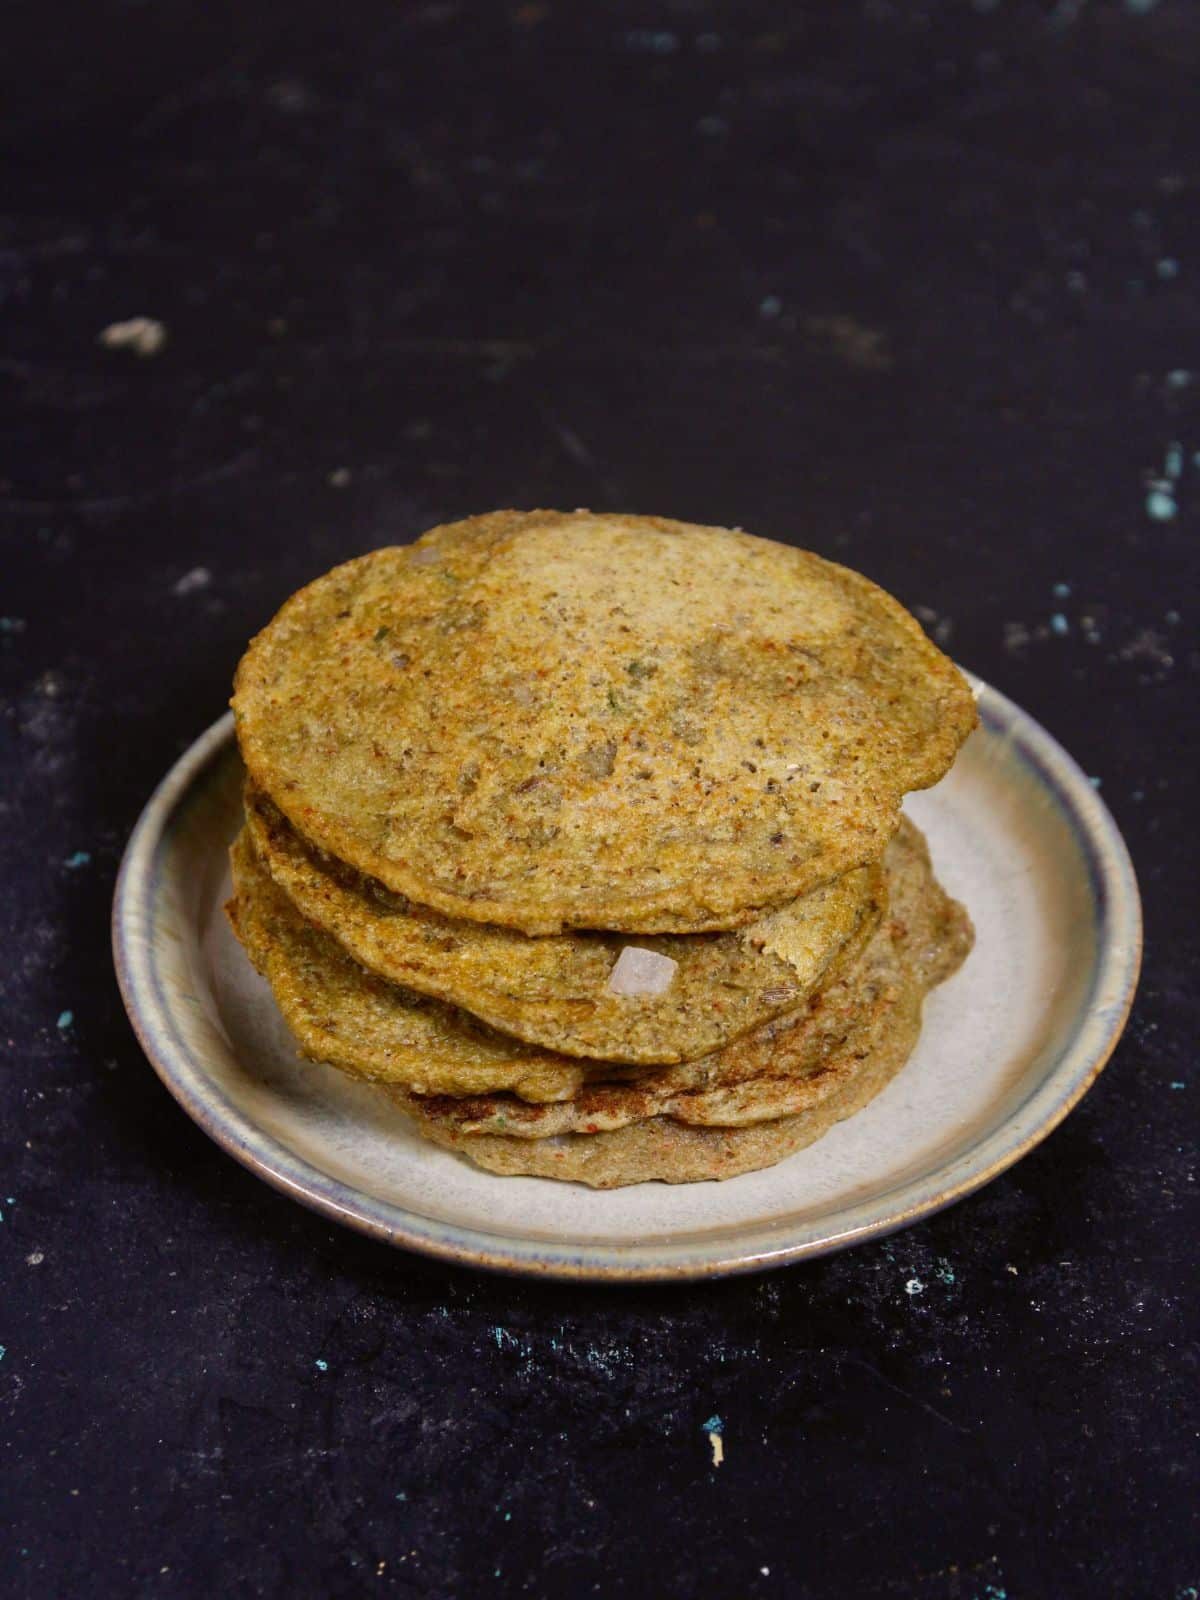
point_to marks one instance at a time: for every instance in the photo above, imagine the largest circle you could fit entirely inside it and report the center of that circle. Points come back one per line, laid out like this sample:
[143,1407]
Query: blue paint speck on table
[81,858]
[1061,591]
[66,1019]
[1059,624]
[1167,268]
[321,1366]
[652,41]
[1160,504]
[713,1425]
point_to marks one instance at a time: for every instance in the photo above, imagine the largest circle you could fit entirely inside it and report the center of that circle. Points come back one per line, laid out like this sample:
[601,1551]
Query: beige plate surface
[1009,1044]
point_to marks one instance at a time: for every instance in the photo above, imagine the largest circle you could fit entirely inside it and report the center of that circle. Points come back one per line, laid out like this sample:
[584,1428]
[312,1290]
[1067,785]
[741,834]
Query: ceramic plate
[1008,1046]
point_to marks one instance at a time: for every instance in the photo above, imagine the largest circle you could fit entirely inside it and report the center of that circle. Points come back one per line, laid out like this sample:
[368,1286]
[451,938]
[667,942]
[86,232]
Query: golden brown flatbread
[600,1123]
[370,1028]
[555,992]
[546,720]
[745,1107]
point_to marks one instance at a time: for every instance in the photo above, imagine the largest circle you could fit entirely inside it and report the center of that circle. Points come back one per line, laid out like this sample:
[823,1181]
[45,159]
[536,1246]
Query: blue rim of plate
[734,1249]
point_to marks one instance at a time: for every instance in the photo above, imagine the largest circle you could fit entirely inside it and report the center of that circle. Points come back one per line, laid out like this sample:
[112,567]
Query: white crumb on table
[145,336]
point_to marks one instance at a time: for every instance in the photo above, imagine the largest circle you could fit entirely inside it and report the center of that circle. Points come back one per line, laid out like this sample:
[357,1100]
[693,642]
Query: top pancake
[548,720]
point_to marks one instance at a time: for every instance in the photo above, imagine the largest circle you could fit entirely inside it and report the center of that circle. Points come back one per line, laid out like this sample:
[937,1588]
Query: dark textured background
[916,284]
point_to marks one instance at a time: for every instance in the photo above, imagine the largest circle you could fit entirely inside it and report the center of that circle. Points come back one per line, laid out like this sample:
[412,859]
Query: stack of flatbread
[581,834]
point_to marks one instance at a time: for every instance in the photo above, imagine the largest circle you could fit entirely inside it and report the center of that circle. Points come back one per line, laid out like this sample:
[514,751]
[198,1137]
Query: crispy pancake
[662,1150]
[370,1028]
[745,1107]
[859,1031]
[543,720]
[554,992]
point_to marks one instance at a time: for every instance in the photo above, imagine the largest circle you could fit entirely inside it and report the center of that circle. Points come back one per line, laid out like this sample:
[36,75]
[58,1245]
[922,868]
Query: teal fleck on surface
[1065,13]
[81,858]
[1059,624]
[652,41]
[321,1366]
[66,1019]
[714,1425]
[1160,505]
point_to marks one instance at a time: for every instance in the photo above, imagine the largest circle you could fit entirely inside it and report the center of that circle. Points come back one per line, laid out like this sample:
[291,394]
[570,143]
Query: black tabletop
[915,284]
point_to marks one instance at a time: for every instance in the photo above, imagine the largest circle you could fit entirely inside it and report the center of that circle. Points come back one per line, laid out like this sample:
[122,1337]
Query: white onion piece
[637,971]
